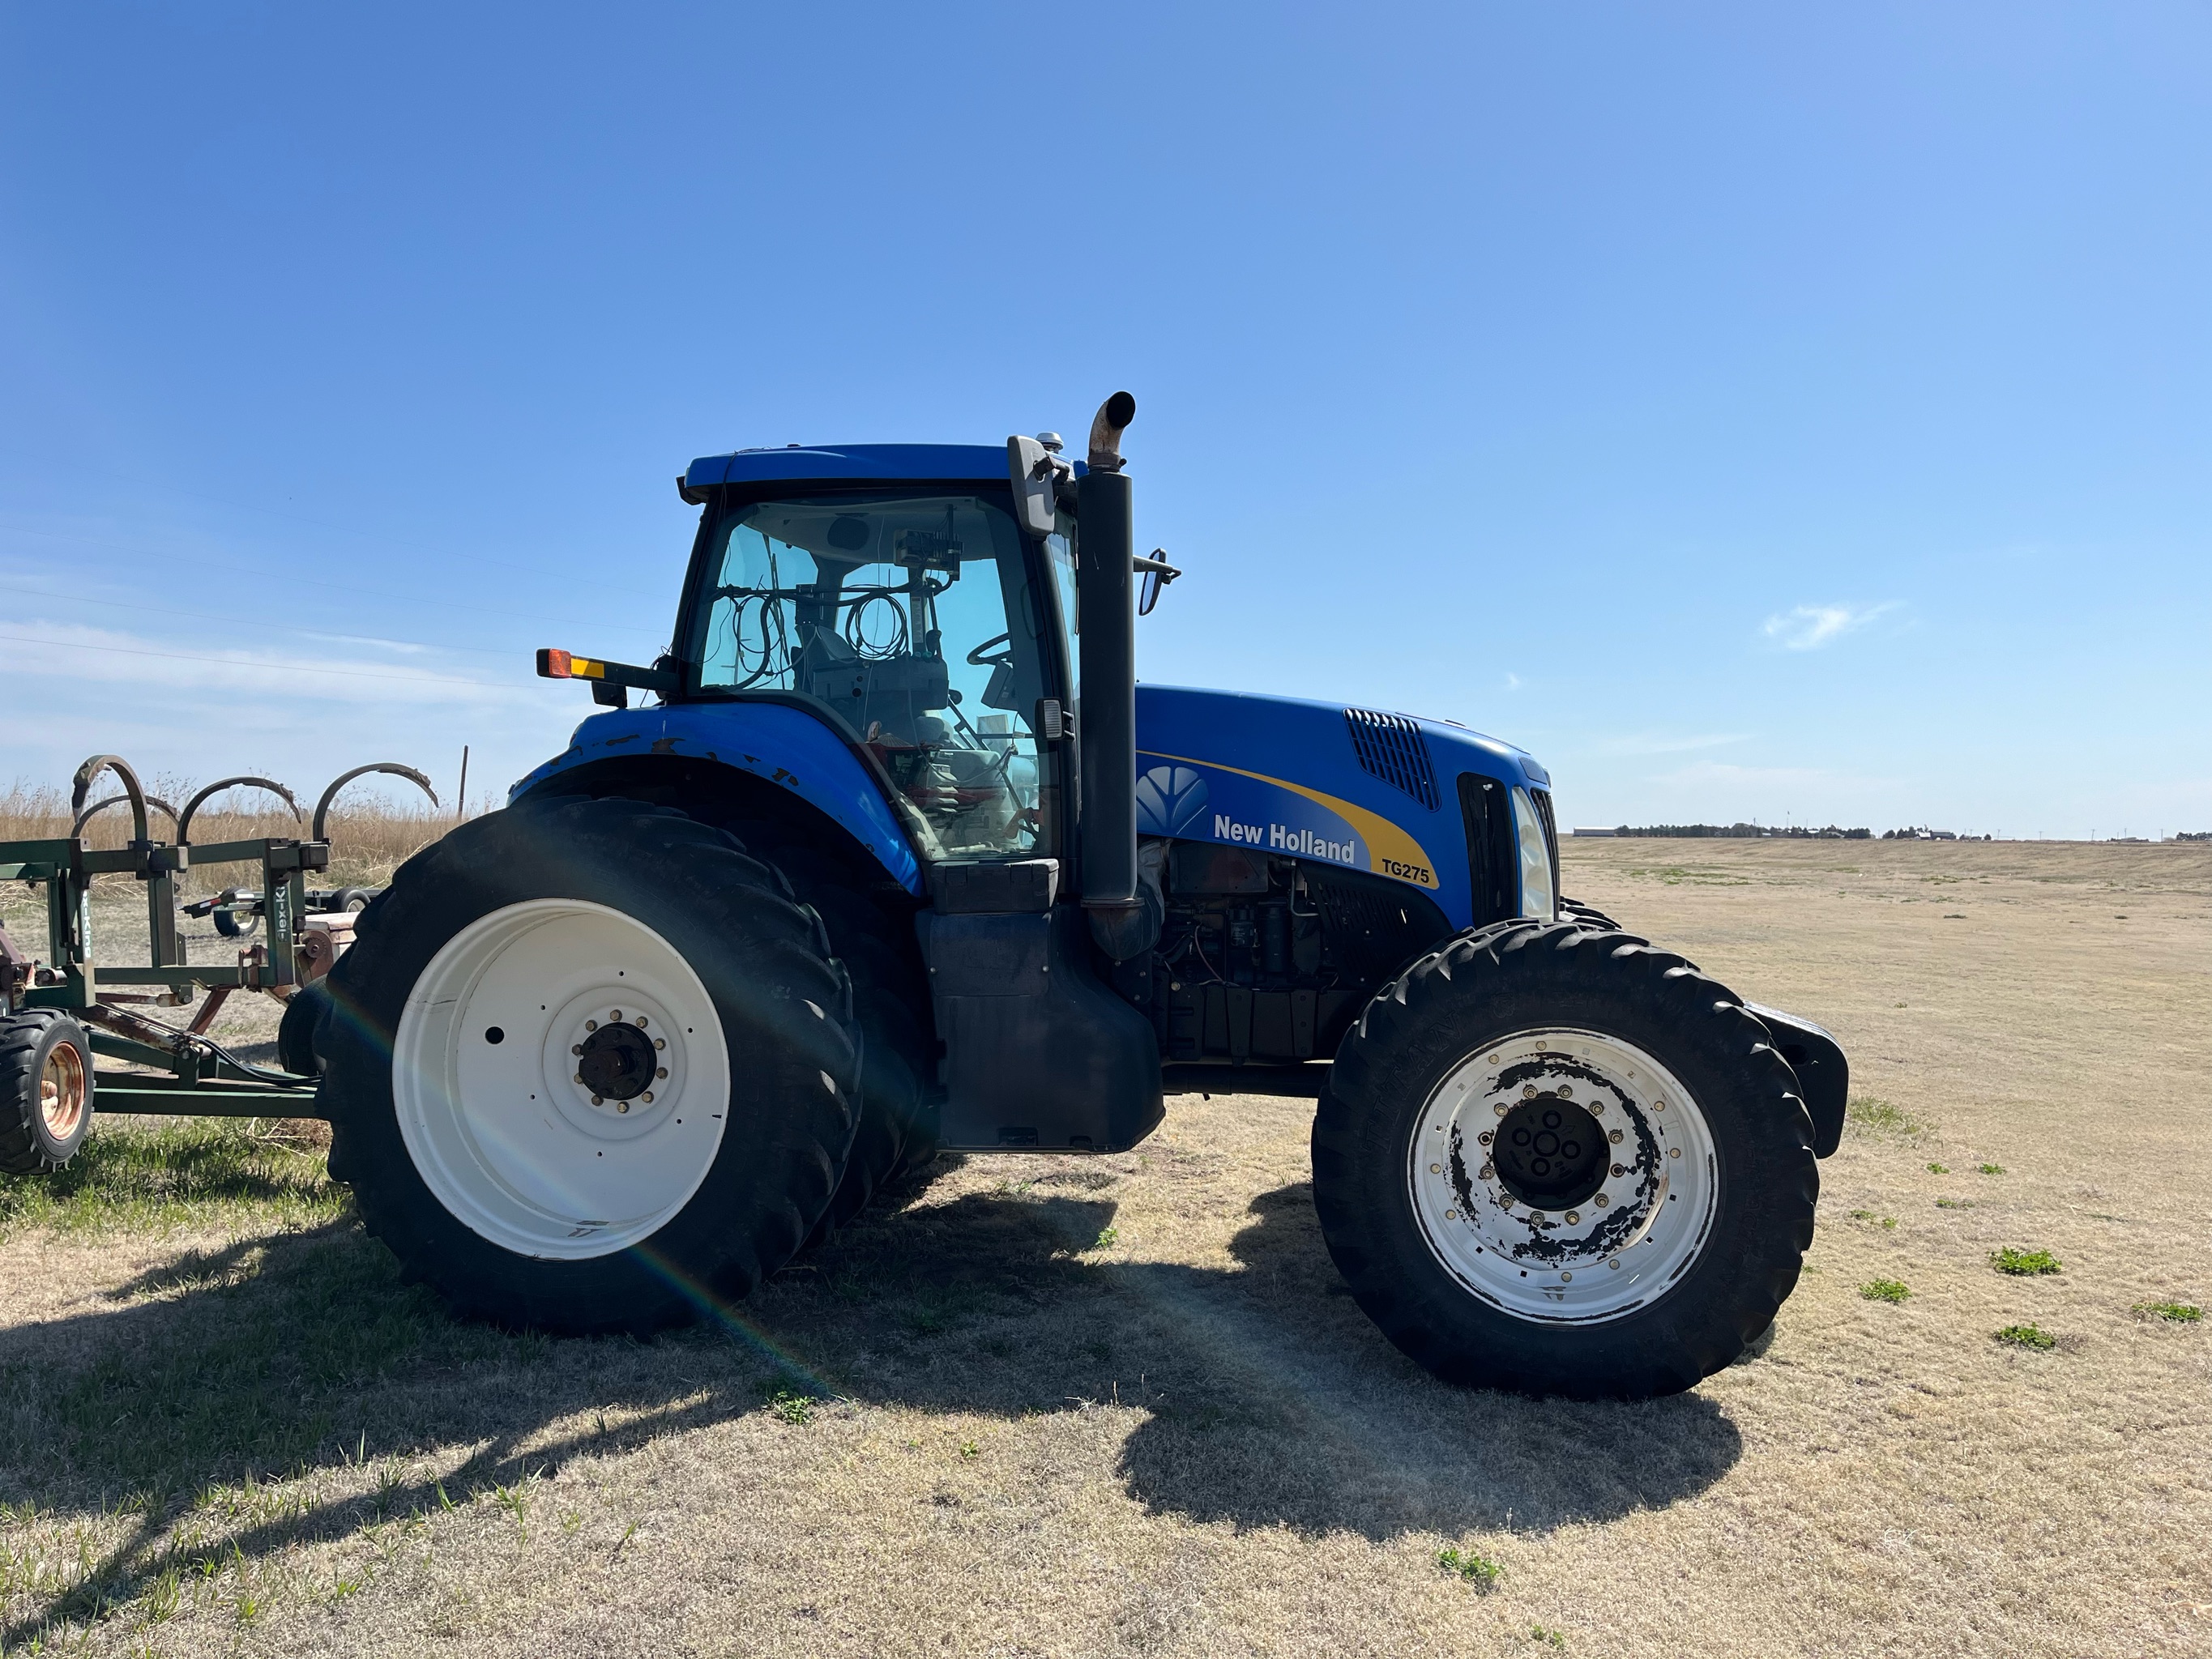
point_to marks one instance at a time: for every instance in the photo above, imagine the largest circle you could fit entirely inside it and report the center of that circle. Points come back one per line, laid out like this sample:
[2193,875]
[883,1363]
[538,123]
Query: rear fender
[1824,1076]
[786,746]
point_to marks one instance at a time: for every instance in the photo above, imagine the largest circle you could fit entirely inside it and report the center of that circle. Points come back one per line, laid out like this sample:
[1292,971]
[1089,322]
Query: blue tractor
[900,859]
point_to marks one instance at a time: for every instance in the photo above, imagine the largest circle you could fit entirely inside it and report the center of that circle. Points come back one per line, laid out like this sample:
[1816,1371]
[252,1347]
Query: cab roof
[974,463]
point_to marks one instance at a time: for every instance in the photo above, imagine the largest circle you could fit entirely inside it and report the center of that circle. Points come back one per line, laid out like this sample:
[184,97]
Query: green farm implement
[60,1010]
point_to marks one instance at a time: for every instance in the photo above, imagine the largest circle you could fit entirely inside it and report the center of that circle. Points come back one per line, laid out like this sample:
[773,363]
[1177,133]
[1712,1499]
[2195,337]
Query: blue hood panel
[1283,773]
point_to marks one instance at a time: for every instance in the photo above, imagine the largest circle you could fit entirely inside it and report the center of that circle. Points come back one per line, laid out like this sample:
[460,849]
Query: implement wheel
[46,1090]
[1559,1161]
[589,1067]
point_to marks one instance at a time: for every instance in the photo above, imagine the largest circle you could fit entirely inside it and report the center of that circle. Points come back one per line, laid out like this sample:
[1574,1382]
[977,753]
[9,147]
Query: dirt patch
[1123,1406]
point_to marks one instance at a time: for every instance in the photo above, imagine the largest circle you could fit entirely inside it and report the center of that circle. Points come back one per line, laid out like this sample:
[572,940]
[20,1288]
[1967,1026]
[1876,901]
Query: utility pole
[461,796]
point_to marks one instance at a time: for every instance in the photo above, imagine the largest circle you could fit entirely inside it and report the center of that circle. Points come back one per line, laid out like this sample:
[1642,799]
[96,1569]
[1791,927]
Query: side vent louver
[1391,747]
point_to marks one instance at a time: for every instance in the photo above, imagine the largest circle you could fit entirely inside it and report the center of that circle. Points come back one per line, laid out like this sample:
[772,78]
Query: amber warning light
[554,663]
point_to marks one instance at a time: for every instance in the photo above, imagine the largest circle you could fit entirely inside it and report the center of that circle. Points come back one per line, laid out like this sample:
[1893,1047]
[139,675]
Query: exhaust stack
[1106,720]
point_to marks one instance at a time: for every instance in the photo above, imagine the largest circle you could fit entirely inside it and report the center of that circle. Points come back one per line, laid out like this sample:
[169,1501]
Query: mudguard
[786,745]
[1824,1076]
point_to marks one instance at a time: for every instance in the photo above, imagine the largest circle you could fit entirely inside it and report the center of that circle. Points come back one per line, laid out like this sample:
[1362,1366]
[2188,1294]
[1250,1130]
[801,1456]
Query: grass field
[1123,1406]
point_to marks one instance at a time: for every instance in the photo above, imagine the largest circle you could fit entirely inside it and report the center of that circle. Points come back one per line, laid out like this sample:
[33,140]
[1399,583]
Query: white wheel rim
[1616,1248]
[501,1130]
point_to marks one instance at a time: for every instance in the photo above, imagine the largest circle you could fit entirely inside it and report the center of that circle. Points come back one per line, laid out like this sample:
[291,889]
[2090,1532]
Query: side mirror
[1036,474]
[1156,572]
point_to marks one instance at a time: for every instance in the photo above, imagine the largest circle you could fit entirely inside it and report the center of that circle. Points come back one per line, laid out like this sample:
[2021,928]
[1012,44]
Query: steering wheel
[976,659]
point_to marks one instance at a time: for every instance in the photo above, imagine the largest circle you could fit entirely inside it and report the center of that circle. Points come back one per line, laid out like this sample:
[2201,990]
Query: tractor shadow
[1268,1400]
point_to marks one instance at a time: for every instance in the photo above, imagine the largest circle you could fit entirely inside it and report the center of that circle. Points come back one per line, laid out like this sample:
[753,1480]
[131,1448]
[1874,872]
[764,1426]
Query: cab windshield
[912,617]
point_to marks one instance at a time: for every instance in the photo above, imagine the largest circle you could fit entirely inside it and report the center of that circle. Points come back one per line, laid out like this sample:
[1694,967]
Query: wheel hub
[617,1062]
[1549,1153]
[61,1090]
[1564,1175]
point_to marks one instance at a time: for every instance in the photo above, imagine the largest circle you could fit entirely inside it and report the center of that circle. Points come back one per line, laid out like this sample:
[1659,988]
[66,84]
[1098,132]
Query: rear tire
[891,998]
[648,1184]
[1538,1219]
[46,1090]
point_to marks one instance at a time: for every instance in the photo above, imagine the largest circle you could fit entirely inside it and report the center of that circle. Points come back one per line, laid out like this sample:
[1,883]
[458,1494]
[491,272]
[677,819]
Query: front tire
[1559,1161]
[589,1067]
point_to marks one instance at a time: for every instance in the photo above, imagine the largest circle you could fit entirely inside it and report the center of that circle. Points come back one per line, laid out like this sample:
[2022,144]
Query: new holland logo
[1172,800]
[1281,838]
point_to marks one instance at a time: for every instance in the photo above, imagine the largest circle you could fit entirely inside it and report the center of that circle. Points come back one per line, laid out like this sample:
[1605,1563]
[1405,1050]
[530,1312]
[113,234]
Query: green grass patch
[2024,1262]
[195,1172]
[790,1406]
[2027,1336]
[1882,1117]
[1955,1204]
[1888,1222]
[1992,1169]
[2174,1313]
[1884,1290]
[1939,1168]
[1478,1570]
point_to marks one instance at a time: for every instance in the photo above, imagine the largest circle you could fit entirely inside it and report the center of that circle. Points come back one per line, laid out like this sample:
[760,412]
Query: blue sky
[1755,411]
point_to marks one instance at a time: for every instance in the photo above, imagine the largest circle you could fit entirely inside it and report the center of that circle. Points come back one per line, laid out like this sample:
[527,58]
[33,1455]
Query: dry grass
[369,837]
[1122,1405]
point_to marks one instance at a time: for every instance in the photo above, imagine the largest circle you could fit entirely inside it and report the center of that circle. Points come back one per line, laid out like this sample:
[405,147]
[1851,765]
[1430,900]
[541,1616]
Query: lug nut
[1621,1169]
[614,1018]
[1528,1092]
[1566,1092]
[660,1071]
[1600,1201]
[596,1101]
[647,1097]
[1615,1137]
[1597,1108]
[660,1042]
[575,1048]
[1436,1168]
[1451,1215]
[1564,1277]
[640,1022]
[1493,1060]
[1673,1151]
[1486,1136]
[622,1106]
[1614,1263]
[1574,1217]
[1658,1105]
[591,1025]
[1485,1172]
[579,1077]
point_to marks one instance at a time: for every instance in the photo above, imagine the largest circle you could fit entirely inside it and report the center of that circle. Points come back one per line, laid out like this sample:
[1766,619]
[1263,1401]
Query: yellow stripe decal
[1390,851]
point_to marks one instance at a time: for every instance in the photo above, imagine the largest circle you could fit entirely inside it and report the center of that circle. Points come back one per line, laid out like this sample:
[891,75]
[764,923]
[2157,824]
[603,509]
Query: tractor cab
[921,619]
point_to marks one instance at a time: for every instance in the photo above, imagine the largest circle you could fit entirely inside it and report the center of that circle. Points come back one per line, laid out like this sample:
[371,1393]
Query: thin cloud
[112,657]
[1512,681]
[1809,627]
[1662,743]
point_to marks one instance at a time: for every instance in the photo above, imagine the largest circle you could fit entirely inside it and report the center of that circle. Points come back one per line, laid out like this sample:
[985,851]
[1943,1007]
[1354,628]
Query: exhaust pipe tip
[1106,430]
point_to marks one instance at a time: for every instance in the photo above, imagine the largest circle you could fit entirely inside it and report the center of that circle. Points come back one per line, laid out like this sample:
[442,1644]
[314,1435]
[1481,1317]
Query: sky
[1796,414]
